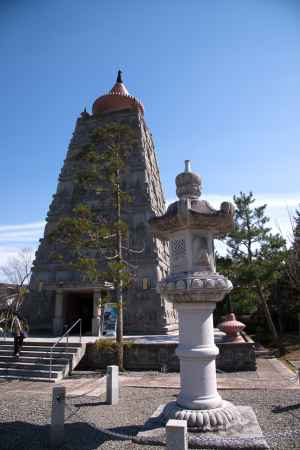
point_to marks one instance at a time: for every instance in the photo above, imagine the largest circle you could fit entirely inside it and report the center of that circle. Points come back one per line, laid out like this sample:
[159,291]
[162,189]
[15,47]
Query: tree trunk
[281,326]
[267,313]
[120,353]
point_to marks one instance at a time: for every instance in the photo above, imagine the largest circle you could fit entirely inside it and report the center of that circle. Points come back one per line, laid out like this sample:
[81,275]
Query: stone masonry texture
[145,310]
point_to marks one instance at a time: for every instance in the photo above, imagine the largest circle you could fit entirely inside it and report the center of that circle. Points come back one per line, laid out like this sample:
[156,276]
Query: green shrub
[111,345]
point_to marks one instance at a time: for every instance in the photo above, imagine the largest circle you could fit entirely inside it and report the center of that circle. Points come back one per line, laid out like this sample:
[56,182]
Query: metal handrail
[66,334]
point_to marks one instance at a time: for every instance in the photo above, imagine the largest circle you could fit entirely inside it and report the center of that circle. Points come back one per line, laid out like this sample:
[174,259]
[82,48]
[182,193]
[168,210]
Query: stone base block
[158,352]
[216,419]
[245,434]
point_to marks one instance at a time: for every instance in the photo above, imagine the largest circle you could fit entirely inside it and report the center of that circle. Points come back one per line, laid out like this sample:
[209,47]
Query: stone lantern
[193,285]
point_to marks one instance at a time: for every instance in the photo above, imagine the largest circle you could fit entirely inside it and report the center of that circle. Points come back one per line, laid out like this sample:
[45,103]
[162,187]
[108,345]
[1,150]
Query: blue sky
[219,81]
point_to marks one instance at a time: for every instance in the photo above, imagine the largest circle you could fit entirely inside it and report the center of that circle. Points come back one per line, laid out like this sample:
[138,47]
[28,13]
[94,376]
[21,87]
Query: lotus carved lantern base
[216,419]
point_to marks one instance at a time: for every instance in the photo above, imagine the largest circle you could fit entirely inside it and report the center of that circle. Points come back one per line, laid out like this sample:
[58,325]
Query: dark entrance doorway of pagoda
[78,305]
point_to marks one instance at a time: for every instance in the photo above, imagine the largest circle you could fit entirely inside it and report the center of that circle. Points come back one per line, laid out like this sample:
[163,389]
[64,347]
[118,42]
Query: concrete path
[90,384]
[141,339]
[271,374]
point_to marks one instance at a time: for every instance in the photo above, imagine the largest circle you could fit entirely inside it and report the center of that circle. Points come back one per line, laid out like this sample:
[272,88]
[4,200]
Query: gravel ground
[25,417]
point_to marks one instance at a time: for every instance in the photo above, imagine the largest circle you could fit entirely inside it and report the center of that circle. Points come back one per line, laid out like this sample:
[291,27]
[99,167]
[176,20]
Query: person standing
[16,328]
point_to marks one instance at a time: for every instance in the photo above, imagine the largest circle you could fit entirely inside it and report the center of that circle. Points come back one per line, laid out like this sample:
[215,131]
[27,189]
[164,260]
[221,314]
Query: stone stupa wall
[145,310]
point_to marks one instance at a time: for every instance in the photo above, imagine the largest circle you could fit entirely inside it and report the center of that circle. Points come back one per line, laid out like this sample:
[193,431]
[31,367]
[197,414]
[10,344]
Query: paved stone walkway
[88,384]
[25,415]
[271,374]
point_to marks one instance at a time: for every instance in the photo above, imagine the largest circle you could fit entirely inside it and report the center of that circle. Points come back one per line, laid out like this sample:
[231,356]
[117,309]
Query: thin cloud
[15,237]
[30,232]
[279,208]
[20,236]
[7,252]
[25,226]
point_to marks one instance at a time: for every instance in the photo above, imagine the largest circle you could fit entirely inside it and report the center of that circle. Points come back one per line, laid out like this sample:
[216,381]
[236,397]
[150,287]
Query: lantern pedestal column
[197,352]
[199,402]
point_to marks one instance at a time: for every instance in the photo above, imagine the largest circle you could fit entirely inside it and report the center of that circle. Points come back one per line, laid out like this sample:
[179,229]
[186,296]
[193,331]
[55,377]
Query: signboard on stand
[109,324]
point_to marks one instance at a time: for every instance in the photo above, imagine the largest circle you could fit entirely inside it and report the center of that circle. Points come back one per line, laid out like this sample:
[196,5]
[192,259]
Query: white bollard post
[112,385]
[57,416]
[176,433]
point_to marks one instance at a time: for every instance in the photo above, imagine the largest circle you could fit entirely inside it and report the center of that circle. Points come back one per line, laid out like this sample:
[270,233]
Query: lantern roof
[189,212]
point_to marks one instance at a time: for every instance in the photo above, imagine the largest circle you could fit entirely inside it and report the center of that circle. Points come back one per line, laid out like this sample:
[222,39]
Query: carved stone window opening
[178,251]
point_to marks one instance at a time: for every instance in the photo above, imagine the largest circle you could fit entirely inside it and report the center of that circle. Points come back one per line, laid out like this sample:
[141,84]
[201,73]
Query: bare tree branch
[17,272]
[129,264]
[132,250]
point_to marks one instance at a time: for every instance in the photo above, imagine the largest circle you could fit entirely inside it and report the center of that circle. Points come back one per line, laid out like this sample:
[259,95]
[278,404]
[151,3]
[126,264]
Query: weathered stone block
[162,356]
[112,385]
[176,435]
[57,416]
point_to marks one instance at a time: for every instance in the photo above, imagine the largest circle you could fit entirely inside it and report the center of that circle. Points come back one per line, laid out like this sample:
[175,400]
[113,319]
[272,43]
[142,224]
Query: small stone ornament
[232,328]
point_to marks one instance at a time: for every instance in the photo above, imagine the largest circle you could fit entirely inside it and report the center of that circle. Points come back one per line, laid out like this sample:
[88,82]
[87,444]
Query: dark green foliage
[250,228]
[256,257]
[286,294]
[297,217]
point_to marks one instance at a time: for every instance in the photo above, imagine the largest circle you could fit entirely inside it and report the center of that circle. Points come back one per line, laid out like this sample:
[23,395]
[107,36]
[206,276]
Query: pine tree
[91,241]
[256,257]
[293,266]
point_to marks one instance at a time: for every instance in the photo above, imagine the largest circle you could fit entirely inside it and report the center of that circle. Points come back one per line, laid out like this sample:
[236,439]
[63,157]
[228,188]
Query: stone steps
[43,354]
[28,378]
[33,372]
[38,343]
[30,365]
[34,360]
[41,348]
[35,343]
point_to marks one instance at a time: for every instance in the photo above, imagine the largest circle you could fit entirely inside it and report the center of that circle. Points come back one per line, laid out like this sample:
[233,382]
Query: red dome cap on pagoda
[117,99]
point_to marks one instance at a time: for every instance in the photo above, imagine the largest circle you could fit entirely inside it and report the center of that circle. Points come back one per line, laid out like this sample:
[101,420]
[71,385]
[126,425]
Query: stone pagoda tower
[58,297]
